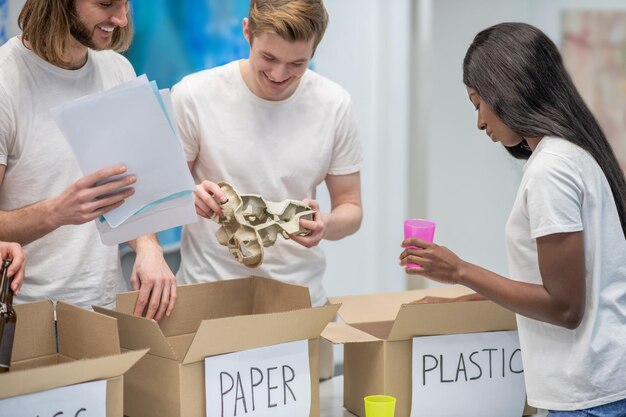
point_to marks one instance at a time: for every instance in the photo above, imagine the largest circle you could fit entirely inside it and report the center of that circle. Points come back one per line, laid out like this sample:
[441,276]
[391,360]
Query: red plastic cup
[421,229]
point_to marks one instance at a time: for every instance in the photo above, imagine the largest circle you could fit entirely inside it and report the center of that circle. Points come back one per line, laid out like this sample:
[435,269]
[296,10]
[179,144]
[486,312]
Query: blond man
[269,125]
[65,51]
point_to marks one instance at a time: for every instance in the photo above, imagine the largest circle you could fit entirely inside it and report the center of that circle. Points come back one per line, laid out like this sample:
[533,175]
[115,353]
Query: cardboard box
[89,350]
[210,319]
[378,330]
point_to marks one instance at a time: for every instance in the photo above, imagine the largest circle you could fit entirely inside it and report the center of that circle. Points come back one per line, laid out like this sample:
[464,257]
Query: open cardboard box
[378,330]
[209,319]
[89,350]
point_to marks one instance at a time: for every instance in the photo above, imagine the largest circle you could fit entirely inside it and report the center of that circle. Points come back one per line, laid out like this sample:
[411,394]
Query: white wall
[15,6]
[366,50]
[471,182]
[423,154]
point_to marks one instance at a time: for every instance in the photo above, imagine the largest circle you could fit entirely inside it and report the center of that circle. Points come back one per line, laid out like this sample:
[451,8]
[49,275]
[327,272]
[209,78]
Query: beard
[81,32]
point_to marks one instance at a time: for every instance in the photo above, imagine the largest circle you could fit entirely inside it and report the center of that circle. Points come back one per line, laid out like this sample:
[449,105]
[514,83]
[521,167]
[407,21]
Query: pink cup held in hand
[421,229]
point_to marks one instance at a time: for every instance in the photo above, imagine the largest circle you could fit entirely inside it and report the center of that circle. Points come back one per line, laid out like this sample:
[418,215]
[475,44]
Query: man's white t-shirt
[278,149]
[70,263]
[564,190]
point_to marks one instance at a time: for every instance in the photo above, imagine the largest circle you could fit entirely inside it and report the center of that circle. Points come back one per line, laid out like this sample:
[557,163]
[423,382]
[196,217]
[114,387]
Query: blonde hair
[45,24]
[292,20]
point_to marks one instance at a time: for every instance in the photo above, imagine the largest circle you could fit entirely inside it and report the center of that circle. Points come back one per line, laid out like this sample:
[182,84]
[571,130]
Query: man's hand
[153,278]
[88,198]
[207,197]
[316,227]
[14,252]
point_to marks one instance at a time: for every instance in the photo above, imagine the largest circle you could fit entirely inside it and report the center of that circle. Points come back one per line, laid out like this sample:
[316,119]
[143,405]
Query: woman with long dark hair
[566,234]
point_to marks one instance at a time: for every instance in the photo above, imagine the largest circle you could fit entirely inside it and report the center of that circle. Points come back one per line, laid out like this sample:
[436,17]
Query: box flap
[344,333]
[34,332]
[85,334]
[197,302]
[48,377]
[139,332]
[385,306]
[450,318]
[233,334]
[226,298]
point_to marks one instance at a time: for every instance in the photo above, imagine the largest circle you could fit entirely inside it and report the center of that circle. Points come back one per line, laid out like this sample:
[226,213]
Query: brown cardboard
[89,350]
[209,319]
[378,331]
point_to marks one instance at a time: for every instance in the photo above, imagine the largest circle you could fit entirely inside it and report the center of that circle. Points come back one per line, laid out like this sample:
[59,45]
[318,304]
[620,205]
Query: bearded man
[68,49]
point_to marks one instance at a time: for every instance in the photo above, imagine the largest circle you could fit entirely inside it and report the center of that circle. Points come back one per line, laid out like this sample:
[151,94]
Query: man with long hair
[67,50]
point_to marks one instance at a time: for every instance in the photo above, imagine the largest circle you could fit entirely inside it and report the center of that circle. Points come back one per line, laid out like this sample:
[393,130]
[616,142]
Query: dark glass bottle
[8,318]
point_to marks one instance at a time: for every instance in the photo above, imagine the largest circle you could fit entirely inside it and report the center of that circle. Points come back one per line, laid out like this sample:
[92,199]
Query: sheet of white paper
[166,95]
[127,125]
[164,216]
[88,399]
[469,375]
[269,381]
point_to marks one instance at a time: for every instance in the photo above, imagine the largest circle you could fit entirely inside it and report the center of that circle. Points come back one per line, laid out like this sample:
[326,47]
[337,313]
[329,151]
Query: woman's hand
[436,262]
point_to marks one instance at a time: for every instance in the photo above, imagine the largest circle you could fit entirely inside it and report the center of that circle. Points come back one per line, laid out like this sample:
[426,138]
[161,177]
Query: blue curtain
[175,38]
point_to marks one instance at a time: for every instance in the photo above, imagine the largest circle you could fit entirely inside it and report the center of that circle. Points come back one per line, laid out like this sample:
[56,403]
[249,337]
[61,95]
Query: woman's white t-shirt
[564,190]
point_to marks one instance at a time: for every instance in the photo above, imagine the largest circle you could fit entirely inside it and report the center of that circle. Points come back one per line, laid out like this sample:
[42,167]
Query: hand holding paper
[132,125]
[92,196]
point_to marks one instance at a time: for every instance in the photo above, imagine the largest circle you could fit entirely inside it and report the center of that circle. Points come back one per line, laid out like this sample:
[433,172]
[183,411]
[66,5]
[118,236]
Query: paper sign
[469,375]
[81,400]
[269,381]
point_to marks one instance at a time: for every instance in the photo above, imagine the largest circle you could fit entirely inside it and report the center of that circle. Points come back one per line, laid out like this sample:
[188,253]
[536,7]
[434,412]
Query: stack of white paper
[132,124]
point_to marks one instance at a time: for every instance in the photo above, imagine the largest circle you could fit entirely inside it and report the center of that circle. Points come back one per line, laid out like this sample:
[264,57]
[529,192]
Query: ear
[246,30]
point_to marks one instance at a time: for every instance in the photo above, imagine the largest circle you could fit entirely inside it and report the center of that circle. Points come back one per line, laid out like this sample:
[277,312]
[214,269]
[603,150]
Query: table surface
[331,399]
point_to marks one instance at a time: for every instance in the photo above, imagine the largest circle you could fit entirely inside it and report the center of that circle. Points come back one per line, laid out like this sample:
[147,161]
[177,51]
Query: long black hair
[518,71]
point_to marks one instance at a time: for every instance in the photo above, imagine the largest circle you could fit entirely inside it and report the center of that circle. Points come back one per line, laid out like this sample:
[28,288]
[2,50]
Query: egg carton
[251,223]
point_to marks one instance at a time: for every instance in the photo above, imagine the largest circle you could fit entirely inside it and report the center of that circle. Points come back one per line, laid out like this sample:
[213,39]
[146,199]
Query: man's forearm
[142,242]
[342,221]
[27,224]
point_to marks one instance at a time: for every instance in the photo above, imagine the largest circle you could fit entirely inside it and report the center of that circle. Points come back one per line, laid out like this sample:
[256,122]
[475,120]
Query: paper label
[269,381]
[469,375]
[81,400]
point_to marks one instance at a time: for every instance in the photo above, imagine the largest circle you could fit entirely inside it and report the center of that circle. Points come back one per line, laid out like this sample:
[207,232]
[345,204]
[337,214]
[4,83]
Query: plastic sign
[81,400]
[469,375]
[269,381]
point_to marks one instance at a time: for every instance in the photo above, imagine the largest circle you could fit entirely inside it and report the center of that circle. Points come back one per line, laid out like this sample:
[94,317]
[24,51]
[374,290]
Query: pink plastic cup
[421,229]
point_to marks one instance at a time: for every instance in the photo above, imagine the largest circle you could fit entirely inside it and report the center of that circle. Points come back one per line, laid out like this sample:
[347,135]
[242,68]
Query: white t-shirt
[563,189]
[278,149]
[70,263]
